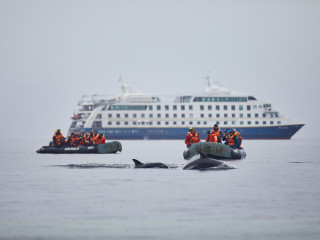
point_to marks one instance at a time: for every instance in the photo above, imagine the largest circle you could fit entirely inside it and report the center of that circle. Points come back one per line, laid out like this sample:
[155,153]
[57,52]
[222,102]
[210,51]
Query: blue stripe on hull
[275,132]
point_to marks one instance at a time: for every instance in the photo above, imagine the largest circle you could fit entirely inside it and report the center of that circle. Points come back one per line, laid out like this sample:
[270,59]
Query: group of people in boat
[77,139]
[230,137]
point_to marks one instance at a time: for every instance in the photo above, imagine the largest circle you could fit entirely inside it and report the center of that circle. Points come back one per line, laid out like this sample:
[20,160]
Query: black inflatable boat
[111,147]
[215,151]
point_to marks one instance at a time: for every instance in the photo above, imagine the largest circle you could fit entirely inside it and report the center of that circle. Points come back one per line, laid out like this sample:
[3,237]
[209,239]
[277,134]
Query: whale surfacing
[139,164]
[203,163]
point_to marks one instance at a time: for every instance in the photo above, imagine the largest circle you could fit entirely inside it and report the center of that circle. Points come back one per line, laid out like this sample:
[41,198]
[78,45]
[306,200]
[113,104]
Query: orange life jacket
[73,141]
[217,133]
[231,141]
[94,139]
[58,139]
[191,139]
[212,138]
[81,141]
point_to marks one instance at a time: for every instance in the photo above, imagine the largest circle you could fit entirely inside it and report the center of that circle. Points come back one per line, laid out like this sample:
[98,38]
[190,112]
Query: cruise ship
[136,115]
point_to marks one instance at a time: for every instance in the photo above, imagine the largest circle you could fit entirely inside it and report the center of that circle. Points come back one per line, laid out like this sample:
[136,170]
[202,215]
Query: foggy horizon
[53,52]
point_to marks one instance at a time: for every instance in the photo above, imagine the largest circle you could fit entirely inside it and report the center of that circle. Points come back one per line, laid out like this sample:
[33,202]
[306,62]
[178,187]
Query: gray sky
[52,52]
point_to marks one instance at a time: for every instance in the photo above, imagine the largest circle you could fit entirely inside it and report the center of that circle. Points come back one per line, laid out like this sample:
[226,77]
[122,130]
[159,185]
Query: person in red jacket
[192,137]
[57,138]
[101,139]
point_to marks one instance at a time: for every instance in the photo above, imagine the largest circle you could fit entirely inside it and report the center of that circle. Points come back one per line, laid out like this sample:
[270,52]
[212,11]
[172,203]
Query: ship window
[182,107]
[204,123]
[158,107]
[183,115]
[109,123]
[220,99]
[142,123]
[167,123]
[190,115]
[109,115]
[225,107]
[257,122]
[249,115]
[126,115]
[271,122]
[167,115]
[190,122]
[233,122]
[240,107]
[134,115]
[174,107]
[99,116]
[279,122]
[118,115]
[241,115]
[271,115]
[159,123]
[198,122]
[158,115]
[150,115]
[142,115]
[233,107]
[276,115]
[175,115]
[225,115]
[209,107]
[217,107]
[182,122]
[254,106]
[241,122]
[210,115]
[202,115]
[166,107]
[264,122]
[150,123]
[190,107]
[218,122]
[263,115]
[248,107]
[256,115]
[174,123]
[201,107]
[150,107]
[118,123]
[249,122]
[127,107]
[125,123]
[134,123]
[233,115]
[251,98]
[225,122]
[217,115]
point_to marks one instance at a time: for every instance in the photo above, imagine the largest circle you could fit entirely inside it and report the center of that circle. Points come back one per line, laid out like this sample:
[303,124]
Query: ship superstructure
[136,115]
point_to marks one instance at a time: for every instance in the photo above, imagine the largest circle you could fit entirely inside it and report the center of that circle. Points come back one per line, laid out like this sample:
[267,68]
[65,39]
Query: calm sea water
[272,194]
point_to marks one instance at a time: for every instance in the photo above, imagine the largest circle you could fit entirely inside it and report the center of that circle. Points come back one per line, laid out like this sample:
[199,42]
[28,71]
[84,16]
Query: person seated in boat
[72,140]
[94,137]
[234,140]
[58,139]
[101,139]
[192,137]
[217,132]
[81,139]
[76,133]
[226,135]
[87,139]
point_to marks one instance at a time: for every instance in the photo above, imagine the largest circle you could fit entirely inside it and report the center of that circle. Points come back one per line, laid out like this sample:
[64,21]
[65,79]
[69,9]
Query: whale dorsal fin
[203,155]
[136,162]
